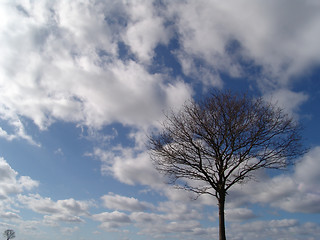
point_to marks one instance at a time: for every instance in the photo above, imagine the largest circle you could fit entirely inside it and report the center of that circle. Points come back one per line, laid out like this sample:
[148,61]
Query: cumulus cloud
[10,183]
[110,221]
[277,36]
[69,230]
[9,215]
[6,136]
[166,218]
[146,29]
[15,128]
[128,166]
[307,171]
[67,210]
[67,69]
[61,61]
[306,198]
[288,100]
[162,223]
[296,192]
[117,202]
[239,214]
[169,217]
[157,227]
[11,186]
[274,229]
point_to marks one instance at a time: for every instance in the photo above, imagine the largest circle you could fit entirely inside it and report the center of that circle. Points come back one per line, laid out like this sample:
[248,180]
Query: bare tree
[9,234]
[212,145]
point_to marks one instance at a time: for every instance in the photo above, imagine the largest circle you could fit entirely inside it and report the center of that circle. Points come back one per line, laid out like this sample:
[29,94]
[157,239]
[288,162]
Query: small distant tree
[9,234]
[222,140]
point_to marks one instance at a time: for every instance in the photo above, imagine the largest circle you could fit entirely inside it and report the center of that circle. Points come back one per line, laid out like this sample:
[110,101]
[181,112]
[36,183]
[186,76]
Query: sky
[83,83]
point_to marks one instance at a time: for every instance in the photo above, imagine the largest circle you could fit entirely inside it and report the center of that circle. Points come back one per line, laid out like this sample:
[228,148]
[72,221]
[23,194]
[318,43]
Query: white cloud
[69,230]
[59,152]
[10,183]
[156,227]
[147,218]
[274,229]
[307,171]
[111,221]
[178,218]
[306,198]
[60,61]
[132,170]
[180,210]
[6,136]
[203,73]
[145,29]
[279,36]
[239,214]
[167,218]
[288,100]
[117,202]
[58,68]
[111,216]
[27,183]
[9,215]
[30,227]
[67,210]
[129,167]
[39,204]
[17,126]
[85,22]
[53,220]
[296,192]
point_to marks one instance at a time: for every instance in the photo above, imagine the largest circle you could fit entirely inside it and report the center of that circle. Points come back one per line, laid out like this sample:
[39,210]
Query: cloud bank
[89,62]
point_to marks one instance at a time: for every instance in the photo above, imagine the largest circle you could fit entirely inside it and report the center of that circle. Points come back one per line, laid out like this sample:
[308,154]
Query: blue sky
[82,83]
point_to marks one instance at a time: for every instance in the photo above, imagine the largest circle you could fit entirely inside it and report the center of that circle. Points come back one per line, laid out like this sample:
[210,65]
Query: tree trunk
[222,228]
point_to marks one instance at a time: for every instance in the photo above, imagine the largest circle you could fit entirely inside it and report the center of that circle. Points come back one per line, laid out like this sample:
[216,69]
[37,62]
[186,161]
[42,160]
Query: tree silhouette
[212,145]
[9,234]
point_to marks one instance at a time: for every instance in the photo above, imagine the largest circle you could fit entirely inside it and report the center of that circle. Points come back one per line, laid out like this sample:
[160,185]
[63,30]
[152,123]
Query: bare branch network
[223,139]
[9,234]
[209,146]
